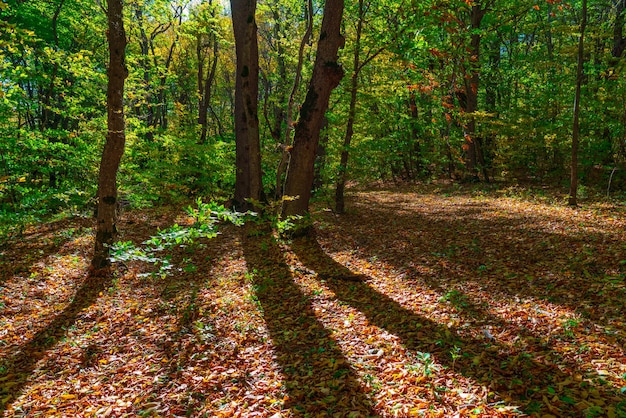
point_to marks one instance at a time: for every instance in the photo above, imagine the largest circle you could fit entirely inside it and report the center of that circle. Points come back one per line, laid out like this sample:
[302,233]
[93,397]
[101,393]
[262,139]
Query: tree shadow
[318,379]
[19,365]
[511,255]
[512,375]
[20,255]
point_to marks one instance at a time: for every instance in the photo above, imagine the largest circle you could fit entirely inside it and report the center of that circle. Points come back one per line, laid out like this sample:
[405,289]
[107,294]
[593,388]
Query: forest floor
[418,302]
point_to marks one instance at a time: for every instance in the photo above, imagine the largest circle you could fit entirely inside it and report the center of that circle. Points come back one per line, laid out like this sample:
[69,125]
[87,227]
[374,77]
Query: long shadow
[182,290]
[466,243]
[318,379]
[19,365]
[31,248]
[511,376]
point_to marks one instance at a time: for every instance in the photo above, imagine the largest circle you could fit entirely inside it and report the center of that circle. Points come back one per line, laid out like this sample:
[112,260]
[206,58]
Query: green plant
[206,216]
[284,226]
[424,363]
[570,325]
[455,353]
[458,299]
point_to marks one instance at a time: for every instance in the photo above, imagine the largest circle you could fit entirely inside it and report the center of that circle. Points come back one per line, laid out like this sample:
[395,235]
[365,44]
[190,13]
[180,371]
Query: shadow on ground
[318,379]
[20,364]
[512,375]
[507,254]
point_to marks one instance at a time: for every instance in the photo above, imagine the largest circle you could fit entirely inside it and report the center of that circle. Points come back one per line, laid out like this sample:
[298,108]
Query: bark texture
[327,73]
[340,205]
[114,146]
[472,146]
[573,190]
[248,153]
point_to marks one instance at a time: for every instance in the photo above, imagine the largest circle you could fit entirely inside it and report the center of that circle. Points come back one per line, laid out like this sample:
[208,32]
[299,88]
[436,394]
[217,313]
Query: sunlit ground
[411,304]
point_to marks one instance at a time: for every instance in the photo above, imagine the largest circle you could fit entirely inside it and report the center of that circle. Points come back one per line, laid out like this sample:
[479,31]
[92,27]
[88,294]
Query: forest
[372,208]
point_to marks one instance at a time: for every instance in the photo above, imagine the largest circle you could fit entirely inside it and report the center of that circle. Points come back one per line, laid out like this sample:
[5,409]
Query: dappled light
[282,208]
[409,304]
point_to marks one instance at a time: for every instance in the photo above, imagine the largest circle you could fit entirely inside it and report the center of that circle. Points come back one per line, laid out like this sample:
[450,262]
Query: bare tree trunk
[114,147]
[248,153]
[472,144]
[619,42]
[284,159]
[205,98]
[573,190]
[340,205]
[327,73]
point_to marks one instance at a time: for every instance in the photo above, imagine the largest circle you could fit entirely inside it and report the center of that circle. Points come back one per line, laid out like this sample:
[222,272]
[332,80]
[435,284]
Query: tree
[114,146]
[248,184]
[357,65]
[287,113]
[572,199]
[206,81]
[472,146]
[327,73]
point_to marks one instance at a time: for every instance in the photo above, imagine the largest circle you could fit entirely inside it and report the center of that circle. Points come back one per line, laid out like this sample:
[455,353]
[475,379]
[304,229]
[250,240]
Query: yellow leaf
[68,396]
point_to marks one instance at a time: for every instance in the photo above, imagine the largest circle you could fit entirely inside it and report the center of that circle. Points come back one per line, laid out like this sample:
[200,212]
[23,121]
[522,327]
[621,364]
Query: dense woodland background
[476,265]
[479,91]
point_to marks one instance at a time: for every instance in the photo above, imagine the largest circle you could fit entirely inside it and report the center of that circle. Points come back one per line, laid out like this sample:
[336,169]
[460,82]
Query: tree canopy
[470,91]
[312,208]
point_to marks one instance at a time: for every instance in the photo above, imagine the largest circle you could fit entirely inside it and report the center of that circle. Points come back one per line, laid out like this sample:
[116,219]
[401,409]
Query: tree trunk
[114,146]
[284,159]
[573,191]
[340,205]
[472,145]
[248,150]
[327,73]
[619,42]
[205,94]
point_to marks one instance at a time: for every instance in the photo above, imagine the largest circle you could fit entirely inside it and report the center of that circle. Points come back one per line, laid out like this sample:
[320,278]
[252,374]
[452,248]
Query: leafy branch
[206,217]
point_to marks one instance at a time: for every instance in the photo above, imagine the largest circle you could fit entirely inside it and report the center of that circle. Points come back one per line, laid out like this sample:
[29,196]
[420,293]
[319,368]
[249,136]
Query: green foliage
[410,123]
[424,364]
[288,225]
[206,217]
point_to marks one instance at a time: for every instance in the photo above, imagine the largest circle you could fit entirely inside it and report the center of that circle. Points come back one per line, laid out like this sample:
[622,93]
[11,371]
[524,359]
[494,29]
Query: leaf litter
[414,303]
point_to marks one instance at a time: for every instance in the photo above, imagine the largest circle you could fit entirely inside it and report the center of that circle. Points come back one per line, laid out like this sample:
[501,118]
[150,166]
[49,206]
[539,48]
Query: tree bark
[327,73]
[248,183]
[284,159]
[114,146]
[472,145]
[573,190]
[206,90]
[619,42]
[340,205]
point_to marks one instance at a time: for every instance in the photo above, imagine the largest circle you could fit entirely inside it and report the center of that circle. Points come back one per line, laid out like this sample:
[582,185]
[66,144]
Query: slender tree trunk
[160,106]
[276,107]
[114,146]
[248,150]
[472,145]
[205,83]
[282,165]
[619,42]
[340,205]
[327,73]
[161,114]
[573,190]
[205,99]
[145,111]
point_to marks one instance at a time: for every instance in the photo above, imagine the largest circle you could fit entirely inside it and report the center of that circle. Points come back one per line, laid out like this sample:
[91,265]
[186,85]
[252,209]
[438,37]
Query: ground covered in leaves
[414,303]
